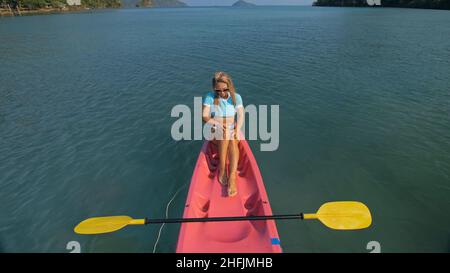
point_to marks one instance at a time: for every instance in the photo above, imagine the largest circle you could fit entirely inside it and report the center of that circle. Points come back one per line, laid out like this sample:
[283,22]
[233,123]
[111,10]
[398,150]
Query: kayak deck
[208,198]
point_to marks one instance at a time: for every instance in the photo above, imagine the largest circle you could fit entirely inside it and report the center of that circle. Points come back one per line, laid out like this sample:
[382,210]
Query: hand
[224,127]
[236,134]
[214,122]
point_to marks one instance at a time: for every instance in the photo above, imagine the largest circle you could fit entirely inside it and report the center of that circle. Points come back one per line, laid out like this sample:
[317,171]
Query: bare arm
[240,119]
[207,117]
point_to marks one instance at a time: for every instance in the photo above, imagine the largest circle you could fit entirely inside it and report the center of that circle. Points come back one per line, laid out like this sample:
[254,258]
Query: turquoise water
[85,103]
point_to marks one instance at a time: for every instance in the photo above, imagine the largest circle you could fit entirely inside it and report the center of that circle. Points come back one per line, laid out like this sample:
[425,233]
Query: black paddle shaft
[224,219]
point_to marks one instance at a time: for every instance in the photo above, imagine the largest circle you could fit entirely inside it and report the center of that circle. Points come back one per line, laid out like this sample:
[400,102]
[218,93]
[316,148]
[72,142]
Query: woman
[220,109]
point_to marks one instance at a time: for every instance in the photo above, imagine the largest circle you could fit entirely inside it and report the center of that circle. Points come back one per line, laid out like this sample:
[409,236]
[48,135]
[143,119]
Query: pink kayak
[207,198]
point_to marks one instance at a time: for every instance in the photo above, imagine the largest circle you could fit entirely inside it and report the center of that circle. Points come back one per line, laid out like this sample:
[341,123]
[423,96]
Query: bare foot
[232,188]
[222,179]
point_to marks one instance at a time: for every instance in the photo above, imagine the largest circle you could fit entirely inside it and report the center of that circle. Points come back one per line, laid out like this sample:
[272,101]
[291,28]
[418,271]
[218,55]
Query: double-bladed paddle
[342,215]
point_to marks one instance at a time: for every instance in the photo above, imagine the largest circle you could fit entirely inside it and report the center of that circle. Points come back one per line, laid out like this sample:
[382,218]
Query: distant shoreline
[4,12]
[47,11]
[44,11]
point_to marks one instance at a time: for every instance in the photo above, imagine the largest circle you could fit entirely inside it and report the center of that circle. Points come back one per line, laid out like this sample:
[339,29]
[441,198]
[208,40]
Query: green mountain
[40,4]
[242,3]
[423,4]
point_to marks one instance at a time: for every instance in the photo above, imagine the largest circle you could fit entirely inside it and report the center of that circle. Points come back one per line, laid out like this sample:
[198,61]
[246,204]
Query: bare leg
[234,158]
[223,148]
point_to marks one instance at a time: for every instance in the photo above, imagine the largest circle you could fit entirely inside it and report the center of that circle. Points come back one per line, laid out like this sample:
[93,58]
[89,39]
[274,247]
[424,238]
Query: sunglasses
[220,91]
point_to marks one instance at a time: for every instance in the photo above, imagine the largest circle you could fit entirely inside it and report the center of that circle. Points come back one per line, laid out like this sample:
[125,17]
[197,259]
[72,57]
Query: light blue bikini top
[225,108]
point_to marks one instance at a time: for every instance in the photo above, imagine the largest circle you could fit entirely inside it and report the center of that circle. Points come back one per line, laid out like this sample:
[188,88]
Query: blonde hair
[225,78]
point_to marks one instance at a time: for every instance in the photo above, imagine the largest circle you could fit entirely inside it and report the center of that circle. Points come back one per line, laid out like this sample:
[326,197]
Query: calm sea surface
[364,97]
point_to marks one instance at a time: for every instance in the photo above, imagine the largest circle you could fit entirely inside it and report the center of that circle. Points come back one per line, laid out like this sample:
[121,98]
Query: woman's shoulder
[208,98]
[238,98]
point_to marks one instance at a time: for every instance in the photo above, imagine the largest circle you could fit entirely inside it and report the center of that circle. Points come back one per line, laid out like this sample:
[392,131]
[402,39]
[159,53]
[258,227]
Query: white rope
[167,216]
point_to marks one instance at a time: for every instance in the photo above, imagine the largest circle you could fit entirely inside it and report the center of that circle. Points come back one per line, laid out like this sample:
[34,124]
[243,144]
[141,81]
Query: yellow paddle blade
[345,215]
[98,225]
